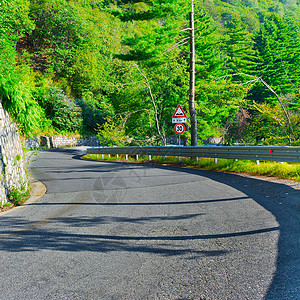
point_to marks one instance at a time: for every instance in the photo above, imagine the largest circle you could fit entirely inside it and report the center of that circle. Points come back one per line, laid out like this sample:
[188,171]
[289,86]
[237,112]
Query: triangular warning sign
[179,113]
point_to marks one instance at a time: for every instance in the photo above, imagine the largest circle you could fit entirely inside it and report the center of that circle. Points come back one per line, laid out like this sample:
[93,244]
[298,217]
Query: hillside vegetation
[119,68]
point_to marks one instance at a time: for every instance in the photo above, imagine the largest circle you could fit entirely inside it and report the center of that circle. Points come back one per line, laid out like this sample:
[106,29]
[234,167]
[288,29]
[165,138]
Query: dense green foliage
[120,68]
[15,79]
[62,110]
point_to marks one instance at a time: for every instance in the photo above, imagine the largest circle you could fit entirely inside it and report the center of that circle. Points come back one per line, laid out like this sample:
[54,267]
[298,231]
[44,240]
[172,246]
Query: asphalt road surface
[111,230]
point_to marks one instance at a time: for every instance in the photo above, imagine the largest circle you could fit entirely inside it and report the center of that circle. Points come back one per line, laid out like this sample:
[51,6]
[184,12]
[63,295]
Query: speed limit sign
[179,128]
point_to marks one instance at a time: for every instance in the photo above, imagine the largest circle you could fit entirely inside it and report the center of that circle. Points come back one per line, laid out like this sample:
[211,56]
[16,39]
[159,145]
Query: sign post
[179,129]
[179,117]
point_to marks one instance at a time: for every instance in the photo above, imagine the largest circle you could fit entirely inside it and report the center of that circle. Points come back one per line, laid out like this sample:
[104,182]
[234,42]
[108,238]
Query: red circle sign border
[182,126]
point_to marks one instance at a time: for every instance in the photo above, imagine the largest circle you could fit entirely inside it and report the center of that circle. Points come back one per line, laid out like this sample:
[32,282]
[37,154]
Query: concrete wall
[13,160]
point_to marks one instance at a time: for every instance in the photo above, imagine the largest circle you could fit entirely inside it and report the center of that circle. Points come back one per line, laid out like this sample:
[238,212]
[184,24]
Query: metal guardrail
[276,153]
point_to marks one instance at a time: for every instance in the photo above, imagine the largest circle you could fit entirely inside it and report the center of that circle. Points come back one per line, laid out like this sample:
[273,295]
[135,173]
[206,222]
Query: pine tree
[278,49]
[238,48]
[153,35]
[209,57]
[156,28]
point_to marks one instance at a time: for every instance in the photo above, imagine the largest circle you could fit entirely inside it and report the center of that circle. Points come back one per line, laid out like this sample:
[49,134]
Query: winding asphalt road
[111,230]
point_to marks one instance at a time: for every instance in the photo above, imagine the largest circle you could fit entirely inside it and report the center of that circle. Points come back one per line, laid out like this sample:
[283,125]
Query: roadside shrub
[18,196]
[111,134]
[63,111]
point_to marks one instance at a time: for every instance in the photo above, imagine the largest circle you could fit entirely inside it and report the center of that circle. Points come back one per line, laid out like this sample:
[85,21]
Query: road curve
[111,230]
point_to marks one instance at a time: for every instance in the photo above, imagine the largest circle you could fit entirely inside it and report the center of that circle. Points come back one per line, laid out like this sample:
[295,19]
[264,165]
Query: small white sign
[178,120]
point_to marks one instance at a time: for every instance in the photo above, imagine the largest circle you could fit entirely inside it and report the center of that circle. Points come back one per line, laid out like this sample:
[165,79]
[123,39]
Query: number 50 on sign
[179,128]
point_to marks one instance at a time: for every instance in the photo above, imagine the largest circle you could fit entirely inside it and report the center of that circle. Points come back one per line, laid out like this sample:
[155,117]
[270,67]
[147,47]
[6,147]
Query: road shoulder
[38,190]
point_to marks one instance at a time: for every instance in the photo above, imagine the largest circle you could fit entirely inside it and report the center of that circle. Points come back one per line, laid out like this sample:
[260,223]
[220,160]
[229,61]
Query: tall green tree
[278,81]
[156,70]
[217,101]
[238,48]
[73,42]
[156,27]
[209,56]
[278,48]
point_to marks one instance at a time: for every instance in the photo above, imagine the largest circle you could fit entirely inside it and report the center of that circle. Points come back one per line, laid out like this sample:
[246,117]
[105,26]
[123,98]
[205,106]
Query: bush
[111,134]
[63,111]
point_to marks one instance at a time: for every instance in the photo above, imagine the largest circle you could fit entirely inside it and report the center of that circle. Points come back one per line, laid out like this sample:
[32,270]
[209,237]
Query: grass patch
[113,157]
[265,168]
[19,197]
[6,206]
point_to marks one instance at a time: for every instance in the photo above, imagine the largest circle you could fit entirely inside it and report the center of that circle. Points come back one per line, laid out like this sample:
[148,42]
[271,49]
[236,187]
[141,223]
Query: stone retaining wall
[13,174]
[60,142]
[13,160]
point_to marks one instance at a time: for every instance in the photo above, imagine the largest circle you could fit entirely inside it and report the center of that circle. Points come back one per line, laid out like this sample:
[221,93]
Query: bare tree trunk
[192,109]
[279,100]
[154,105]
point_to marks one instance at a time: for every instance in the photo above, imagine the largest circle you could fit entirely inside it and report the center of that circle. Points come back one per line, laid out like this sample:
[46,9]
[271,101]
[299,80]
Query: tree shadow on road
[283,201]
[280,199]
[33,236]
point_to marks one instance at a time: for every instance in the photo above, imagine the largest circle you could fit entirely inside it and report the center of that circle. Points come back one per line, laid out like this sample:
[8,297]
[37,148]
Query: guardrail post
[126,156]
[117,156]
[108,155]
[149,157]
[97,156]
[102,156]
[257,162]
[179,158]
[197,159]
[216,161]
[137,157]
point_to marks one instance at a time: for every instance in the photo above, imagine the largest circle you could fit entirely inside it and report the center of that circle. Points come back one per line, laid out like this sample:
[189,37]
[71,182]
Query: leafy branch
[259,79]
